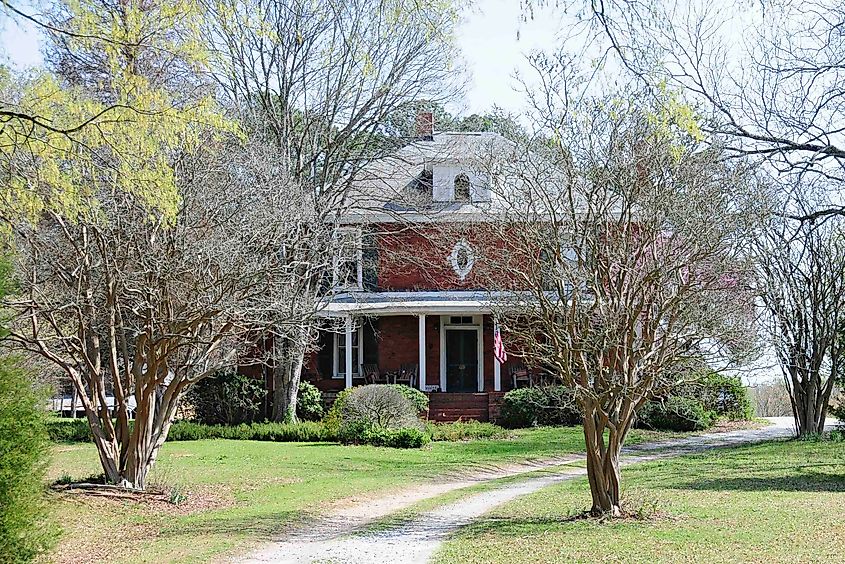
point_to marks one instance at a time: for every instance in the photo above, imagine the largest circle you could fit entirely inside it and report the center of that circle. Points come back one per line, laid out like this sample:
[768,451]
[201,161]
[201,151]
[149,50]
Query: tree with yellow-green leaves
[126,93]
[119,201]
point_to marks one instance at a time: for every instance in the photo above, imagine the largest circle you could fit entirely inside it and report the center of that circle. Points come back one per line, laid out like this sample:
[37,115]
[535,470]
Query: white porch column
[497,366]
[348,350]
[422,372]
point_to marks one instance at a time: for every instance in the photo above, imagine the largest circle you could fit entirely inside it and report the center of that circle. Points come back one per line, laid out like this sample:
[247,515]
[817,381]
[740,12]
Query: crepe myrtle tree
[137,308]
[621,258]
[800,283]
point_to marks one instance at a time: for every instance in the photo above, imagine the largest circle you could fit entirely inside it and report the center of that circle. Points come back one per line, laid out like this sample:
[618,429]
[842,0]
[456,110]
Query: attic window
[462,188]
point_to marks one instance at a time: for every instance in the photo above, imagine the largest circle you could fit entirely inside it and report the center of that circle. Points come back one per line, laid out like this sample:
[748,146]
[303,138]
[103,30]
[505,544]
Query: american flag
[499,346]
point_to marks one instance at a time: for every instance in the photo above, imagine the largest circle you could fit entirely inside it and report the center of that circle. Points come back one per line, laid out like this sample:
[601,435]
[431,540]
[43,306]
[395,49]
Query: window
[462,258]
[348,268]
[462,188]
[340,354]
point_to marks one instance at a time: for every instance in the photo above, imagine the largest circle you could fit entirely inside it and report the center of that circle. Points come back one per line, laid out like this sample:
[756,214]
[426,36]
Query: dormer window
[462,188]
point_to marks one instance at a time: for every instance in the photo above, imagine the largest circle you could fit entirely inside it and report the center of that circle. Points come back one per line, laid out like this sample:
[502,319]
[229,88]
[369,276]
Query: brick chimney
[425,125]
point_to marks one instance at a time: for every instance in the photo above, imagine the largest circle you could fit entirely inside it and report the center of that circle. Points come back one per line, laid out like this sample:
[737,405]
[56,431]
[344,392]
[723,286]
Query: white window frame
[359,282]
[339,361]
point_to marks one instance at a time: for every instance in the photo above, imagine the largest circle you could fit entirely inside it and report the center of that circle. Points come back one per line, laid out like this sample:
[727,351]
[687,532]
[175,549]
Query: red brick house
[406,303]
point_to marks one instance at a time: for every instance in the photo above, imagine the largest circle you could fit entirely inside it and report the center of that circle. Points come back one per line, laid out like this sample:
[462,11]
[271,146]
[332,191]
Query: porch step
[453,406]
[449,415]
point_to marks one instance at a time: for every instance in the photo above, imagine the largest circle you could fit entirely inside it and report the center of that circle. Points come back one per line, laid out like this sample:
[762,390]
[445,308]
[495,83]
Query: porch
[438,342]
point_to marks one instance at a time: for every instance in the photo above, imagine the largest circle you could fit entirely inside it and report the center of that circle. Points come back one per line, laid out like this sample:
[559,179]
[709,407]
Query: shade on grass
[773,502]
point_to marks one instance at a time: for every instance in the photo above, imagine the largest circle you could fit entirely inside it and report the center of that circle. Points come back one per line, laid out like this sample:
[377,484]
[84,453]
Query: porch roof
[408,303]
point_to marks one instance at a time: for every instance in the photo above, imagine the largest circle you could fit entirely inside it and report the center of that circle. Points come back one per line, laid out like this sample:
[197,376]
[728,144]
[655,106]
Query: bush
[309,402]
[332,418]
[464,431]
[226,398]
[378,406]
[529,407]
[724,395]
[24,532]
[416,397]
[676,414]
[406,437]
[372,414]
[69,430]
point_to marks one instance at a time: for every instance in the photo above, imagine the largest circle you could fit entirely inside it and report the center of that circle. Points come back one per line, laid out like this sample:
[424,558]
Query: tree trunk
[602,468]
[809,397]
[286,390]
[290,357]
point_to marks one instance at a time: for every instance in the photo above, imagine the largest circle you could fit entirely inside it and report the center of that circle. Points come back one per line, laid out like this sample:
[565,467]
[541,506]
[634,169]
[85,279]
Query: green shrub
[375,414]
[548,405]
[226,398]
[413,395]
[724,395]
[406,437]
[303,432]
[24,528]
[464,431]
[69,430]
[332,418]
[676,414]
[309,402]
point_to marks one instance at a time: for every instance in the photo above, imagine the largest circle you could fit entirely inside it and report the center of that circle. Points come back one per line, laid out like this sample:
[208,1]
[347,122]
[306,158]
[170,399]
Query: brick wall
[418,259]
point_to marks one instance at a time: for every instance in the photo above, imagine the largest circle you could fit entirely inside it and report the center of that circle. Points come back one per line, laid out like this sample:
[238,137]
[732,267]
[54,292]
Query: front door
[461,360]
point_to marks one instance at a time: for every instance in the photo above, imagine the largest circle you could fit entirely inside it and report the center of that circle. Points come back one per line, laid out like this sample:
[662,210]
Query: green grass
[773,502]
[265,486]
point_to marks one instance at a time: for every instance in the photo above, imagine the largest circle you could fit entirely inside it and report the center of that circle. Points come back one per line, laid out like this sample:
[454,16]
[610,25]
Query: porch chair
[408,374]
[520,375]
[371,374]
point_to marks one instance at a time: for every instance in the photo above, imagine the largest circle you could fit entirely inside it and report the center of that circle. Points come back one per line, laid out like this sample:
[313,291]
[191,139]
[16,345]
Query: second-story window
[348,268]
[462,188]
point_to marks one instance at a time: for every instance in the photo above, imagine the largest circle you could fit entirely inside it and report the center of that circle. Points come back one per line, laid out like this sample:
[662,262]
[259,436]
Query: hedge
[77,430]
[464,431]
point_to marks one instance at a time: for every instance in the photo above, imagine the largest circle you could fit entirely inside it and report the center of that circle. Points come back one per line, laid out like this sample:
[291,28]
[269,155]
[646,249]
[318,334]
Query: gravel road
[342,537]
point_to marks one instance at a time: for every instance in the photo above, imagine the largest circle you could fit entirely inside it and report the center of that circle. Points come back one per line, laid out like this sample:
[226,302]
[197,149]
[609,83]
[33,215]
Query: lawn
[773,502]
[240,492]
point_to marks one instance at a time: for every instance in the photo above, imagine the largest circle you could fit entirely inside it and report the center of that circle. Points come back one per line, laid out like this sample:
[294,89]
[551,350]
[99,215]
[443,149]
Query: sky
[487,38]
[494,40]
